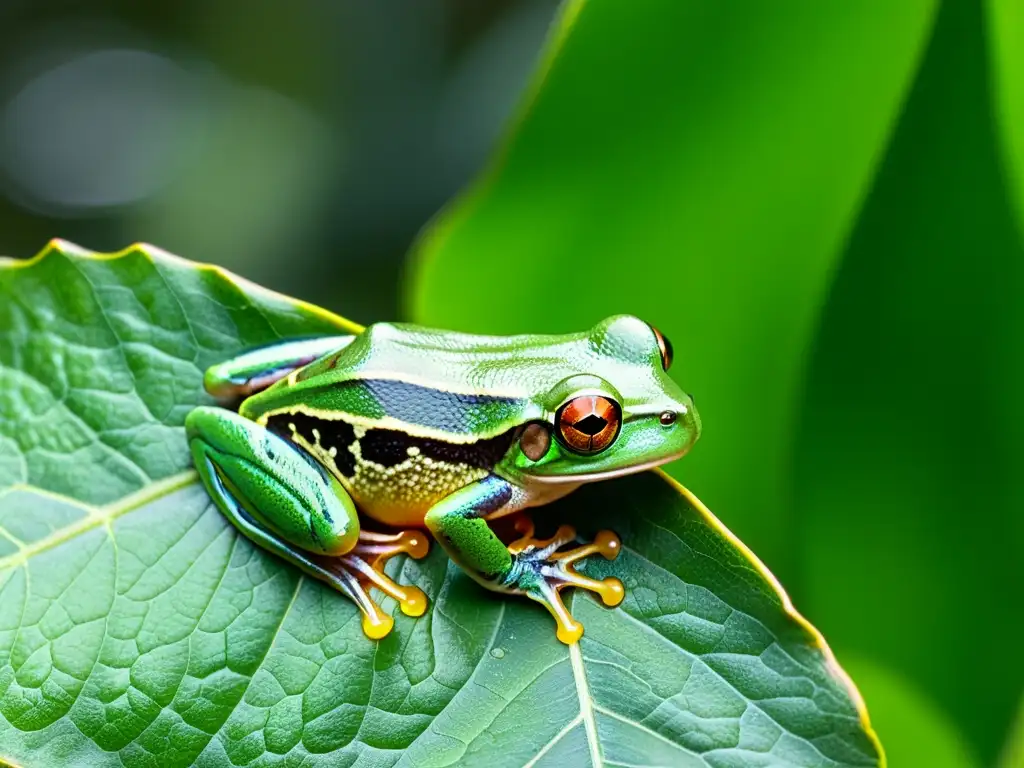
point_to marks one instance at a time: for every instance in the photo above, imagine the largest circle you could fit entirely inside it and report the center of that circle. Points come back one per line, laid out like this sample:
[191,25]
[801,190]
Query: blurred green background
[820,204]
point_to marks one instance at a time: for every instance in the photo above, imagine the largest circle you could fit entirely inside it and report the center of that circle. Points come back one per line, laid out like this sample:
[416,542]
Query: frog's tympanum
[417,428]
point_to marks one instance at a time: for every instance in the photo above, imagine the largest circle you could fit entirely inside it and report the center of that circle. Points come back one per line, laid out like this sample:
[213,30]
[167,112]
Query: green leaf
[138,628]
[700,168]
[908,465]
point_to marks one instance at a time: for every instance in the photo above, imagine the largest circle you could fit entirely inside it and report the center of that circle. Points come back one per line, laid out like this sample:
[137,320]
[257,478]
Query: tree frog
[419,429]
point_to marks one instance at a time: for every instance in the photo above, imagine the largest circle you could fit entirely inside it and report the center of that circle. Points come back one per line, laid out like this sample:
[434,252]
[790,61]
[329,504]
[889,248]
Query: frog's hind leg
[280,499]
[375,622]
[257,369]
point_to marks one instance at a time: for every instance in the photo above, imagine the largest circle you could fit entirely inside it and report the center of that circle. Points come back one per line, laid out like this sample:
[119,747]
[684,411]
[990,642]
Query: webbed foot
[363,568]
[541,572]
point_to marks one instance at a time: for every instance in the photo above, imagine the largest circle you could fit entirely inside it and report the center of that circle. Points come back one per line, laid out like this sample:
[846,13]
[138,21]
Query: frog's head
[617,412]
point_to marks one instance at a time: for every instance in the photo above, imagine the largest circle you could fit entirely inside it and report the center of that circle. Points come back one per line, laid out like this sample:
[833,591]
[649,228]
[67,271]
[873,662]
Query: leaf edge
[159,256]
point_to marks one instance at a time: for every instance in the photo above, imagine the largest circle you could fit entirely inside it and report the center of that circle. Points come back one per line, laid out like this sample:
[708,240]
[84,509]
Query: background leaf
[911,446]
[678,159]
[137,627]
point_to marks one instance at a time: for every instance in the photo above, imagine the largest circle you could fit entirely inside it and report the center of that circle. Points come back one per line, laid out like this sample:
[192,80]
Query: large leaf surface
[138,628]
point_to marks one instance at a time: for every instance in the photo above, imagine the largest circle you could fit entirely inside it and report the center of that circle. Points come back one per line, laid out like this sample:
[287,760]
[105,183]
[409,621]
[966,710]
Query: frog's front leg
[285,502]
[528,566]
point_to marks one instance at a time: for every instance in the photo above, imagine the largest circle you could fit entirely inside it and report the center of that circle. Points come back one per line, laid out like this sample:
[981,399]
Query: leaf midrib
[579,675]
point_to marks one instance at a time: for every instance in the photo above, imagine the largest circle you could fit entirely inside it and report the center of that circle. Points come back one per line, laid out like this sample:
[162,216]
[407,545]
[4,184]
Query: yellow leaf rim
[158,256]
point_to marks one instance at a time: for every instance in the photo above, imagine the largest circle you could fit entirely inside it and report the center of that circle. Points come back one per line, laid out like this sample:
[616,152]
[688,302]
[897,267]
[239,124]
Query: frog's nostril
[692,398]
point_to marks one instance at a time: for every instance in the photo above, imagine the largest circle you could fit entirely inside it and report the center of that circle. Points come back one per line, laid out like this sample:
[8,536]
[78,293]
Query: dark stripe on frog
[389,447]
[333,434]
[410,403]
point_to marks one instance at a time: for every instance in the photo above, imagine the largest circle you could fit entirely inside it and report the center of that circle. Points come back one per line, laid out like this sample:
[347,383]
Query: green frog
[417,429]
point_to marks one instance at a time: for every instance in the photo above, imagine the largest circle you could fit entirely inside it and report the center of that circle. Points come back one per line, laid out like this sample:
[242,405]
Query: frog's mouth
[607,474]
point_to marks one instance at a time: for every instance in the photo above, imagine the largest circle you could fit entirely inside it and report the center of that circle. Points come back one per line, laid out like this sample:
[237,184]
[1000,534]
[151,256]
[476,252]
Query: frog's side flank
[393,476]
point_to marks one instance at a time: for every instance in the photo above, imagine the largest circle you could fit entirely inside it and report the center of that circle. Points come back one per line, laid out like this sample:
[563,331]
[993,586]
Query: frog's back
[520,367]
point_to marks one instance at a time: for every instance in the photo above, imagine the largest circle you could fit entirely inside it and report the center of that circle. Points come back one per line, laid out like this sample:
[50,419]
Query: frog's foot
[363,568]
[541,572]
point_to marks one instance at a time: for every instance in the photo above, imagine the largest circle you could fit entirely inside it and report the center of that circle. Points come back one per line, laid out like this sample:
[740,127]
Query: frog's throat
[607,474]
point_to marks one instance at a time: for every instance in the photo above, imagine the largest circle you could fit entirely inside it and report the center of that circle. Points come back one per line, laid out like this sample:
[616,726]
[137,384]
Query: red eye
[665,347]
[589,423]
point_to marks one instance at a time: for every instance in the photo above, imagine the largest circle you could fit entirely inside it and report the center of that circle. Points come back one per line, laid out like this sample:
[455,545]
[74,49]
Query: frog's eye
[588,423]
[665,347]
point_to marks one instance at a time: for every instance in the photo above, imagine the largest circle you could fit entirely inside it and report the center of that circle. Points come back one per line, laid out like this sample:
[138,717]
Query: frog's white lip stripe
[607,474]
